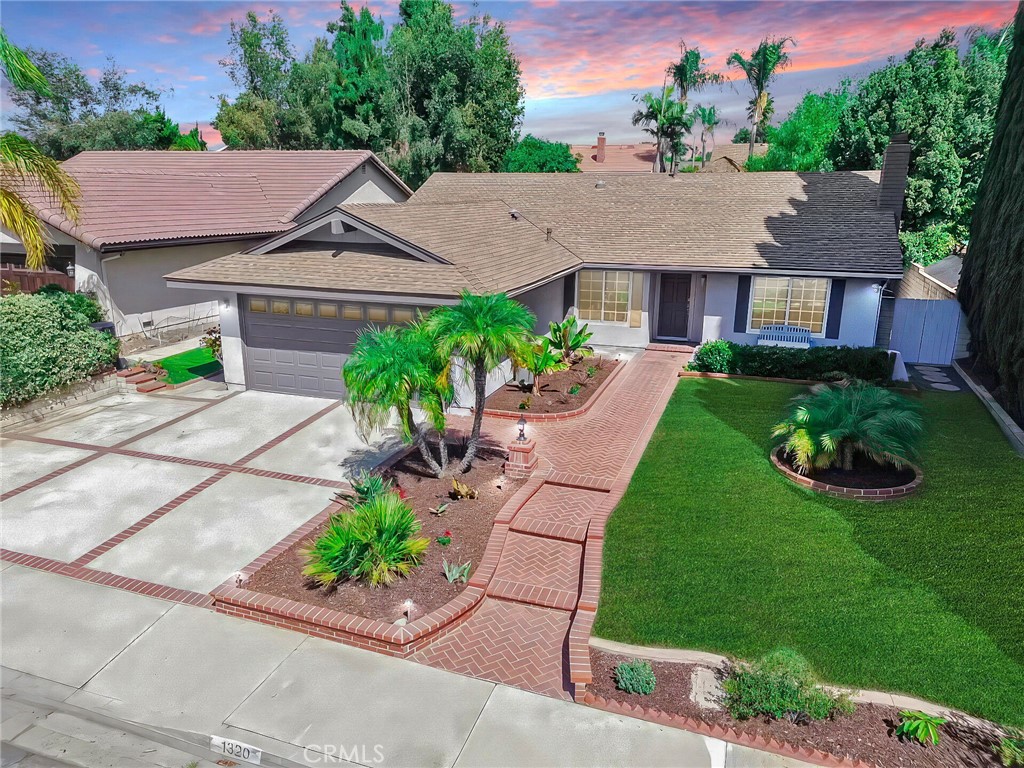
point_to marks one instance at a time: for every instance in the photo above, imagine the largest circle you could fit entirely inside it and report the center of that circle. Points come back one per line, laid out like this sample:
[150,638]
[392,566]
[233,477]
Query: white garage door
[299,346]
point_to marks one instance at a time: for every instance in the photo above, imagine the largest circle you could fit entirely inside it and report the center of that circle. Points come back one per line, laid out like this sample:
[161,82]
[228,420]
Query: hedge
[815,363]
[72,302]
[46,344]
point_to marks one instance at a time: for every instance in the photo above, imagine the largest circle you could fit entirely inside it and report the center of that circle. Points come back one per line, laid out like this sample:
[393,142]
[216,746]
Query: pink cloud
[166,39]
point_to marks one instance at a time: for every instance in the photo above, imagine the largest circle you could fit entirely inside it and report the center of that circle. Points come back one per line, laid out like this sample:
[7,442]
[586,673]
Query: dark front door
[674,314]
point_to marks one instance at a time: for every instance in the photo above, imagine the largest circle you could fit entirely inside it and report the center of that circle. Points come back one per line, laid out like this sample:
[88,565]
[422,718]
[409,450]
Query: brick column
[522,459]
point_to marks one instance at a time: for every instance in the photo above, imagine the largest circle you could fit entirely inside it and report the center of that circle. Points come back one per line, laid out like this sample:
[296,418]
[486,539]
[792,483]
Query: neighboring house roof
[814,222]
[946,272]
[737,152]
[476,246]
[134,198]
[722,165]
[618,158]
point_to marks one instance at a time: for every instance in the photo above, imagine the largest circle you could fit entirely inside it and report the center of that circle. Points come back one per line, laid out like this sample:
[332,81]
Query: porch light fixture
[522,429]
[70,269]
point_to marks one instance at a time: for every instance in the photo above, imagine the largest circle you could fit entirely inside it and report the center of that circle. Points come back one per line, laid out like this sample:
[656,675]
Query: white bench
[784,336]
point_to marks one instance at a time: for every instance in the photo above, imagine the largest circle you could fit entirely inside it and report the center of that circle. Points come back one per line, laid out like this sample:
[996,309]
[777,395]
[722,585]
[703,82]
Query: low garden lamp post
[522,458]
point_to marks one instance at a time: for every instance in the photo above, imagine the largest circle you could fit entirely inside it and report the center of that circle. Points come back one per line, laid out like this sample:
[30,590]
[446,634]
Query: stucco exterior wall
[547,303]
[857,322]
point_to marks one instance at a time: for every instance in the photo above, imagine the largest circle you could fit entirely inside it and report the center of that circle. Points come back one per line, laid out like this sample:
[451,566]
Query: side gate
[926,330]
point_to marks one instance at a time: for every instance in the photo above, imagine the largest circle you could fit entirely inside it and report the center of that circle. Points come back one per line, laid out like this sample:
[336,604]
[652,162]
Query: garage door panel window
[279,307]
[402,315]
[796,301]
[352,312]
[304,308]
[328,311]
[258,305]
[377,313]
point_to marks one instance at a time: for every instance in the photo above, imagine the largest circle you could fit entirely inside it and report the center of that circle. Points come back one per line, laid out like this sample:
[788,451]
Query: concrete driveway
[179,490]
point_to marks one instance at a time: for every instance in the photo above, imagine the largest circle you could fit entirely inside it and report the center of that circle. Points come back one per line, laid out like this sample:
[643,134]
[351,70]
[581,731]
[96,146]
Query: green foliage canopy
[533,155]
[801,141]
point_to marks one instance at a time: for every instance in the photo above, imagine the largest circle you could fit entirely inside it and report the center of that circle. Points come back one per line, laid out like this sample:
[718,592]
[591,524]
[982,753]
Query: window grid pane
[352,312]
[304,308]
[401,315]
[590,294]
[281,307]
[771,296]
[328,310]
[377,313]
[807,305]
[257,305]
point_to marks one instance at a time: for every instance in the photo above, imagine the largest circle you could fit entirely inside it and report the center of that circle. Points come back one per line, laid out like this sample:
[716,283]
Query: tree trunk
[442,447]
[848,456]
[480,394]
[535,387]
[753,127]
[703,151]
[657,153]
[420,440]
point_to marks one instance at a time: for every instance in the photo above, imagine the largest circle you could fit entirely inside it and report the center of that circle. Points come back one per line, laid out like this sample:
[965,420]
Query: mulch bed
[865,735]
[865,474]
[554,394]
[469,520]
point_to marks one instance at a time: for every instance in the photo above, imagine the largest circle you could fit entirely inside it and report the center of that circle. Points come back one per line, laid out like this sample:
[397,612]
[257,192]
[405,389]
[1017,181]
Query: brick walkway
[520,633]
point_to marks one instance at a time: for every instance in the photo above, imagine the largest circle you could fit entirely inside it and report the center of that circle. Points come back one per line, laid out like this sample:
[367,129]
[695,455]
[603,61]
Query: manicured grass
[193,364]
[712,549]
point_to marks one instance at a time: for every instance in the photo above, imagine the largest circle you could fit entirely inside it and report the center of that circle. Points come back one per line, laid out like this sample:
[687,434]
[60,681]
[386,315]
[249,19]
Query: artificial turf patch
[194,364]
[711,548]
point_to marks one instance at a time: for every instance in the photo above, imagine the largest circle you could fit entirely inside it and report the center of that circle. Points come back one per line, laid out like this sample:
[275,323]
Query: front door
[674,313]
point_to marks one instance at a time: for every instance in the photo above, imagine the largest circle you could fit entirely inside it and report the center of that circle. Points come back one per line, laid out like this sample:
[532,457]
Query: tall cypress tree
[992,284]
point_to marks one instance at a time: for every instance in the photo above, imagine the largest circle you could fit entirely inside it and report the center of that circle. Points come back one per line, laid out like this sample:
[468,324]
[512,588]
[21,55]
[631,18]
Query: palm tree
[690,73]
[388,370]
[484,331]
[761,134]
[760,70]
[24,167]
[709,120]
[667,120]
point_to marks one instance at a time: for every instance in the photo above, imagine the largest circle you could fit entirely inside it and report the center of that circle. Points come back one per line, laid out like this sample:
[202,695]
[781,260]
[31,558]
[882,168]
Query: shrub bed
[817,363]
[46,343]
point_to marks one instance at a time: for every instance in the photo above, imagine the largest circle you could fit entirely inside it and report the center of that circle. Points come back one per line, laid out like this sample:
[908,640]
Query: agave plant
[836,421]
[375,541]
[539,359]
[570,338]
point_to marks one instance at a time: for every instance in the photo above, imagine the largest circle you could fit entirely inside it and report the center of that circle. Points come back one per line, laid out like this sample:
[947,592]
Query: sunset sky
[582,59]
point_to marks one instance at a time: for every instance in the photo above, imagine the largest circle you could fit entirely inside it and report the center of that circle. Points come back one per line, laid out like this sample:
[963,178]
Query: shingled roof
[134,198]
[812,222]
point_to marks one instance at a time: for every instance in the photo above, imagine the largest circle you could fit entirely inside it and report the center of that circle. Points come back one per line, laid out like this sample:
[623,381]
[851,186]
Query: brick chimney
[601,140]
[895,166]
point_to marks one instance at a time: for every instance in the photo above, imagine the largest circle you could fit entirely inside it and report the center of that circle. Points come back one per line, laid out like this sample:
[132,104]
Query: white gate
[925,330]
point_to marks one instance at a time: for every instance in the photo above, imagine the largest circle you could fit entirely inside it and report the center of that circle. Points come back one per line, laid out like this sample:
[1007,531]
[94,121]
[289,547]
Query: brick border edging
[372,634]
[538,418]
[692,724]
[841,492]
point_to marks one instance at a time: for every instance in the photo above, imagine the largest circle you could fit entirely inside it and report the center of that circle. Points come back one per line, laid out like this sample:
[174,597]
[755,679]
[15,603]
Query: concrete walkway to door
[520,633]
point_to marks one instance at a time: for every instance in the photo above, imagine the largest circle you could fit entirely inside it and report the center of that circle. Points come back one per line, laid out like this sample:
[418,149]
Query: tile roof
[143,197]
[618,158]
[764,221]
[485,248]
[737,152]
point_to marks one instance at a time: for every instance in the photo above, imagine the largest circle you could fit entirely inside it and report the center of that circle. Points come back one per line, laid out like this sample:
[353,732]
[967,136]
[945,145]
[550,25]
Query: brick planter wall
[564,415]
[840,492]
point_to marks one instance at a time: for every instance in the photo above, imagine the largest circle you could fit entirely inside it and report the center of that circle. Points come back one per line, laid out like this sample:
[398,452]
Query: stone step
[151,386]
[141,378]
[130,372]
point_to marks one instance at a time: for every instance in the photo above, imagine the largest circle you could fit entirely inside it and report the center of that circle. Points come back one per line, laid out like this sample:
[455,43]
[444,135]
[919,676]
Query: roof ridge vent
[514,214]
[600,184]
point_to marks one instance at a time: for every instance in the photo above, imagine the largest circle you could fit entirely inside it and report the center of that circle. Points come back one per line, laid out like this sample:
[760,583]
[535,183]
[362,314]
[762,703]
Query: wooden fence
[29,280]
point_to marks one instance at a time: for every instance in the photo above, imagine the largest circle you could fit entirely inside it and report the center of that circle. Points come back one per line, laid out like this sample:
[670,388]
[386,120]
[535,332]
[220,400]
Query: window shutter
[835,309]
[742,304]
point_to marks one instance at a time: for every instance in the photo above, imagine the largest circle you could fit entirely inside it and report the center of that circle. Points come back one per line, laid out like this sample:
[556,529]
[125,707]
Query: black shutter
[835,309]
[742,304]
[568,292]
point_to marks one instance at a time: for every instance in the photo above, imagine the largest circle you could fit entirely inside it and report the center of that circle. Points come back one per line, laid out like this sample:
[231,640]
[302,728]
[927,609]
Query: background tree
[24,168]
[482,332]
[667,120]
[992,282]
[760,69]
[690,73]
[533,155]
[742,136]
[261,56]
[709,121]
[75,114]
[801,142]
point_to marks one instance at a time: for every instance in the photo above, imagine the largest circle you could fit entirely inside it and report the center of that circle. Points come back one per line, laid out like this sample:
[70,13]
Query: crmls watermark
[356,753]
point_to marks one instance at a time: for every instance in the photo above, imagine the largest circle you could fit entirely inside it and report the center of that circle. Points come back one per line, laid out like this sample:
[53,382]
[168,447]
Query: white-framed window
[798,301]
[610,296]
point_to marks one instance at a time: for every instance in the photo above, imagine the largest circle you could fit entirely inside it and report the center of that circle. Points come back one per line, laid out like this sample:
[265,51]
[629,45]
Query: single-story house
[603,157]
[638,257]
[145,214]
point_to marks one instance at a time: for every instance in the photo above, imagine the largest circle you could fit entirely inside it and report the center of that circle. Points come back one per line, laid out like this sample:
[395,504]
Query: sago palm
[834,422]
[24,169]
[388,370]
[763,66]
[483,331]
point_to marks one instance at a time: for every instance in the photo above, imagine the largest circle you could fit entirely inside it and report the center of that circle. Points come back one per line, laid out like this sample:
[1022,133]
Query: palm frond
[19,69]
[18,216]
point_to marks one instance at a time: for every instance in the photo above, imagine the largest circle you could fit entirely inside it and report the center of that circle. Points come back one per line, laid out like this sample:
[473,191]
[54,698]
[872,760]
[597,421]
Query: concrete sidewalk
[174,675]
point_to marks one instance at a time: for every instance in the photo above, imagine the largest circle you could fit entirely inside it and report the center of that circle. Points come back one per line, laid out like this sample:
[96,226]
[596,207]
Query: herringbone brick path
[519,635]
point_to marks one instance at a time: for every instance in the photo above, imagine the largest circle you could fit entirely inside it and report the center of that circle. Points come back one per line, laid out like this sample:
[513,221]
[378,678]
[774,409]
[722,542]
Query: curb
[1008,426]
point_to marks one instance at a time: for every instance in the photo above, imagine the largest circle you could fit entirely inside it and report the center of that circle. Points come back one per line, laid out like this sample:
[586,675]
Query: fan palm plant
[483,331]
[760,69]
[834,422]
[388,370]
[25,169]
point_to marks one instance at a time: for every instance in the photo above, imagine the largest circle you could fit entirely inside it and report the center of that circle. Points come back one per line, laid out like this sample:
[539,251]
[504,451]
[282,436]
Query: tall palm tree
[761,134]
[690,73]
[24,168]
[390,369]
[763,66]
[484,331]
[667,120]
[709,120]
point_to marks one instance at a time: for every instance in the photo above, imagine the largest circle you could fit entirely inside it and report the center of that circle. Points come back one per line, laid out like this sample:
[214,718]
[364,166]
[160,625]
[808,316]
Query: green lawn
[193,364]
[712,549]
